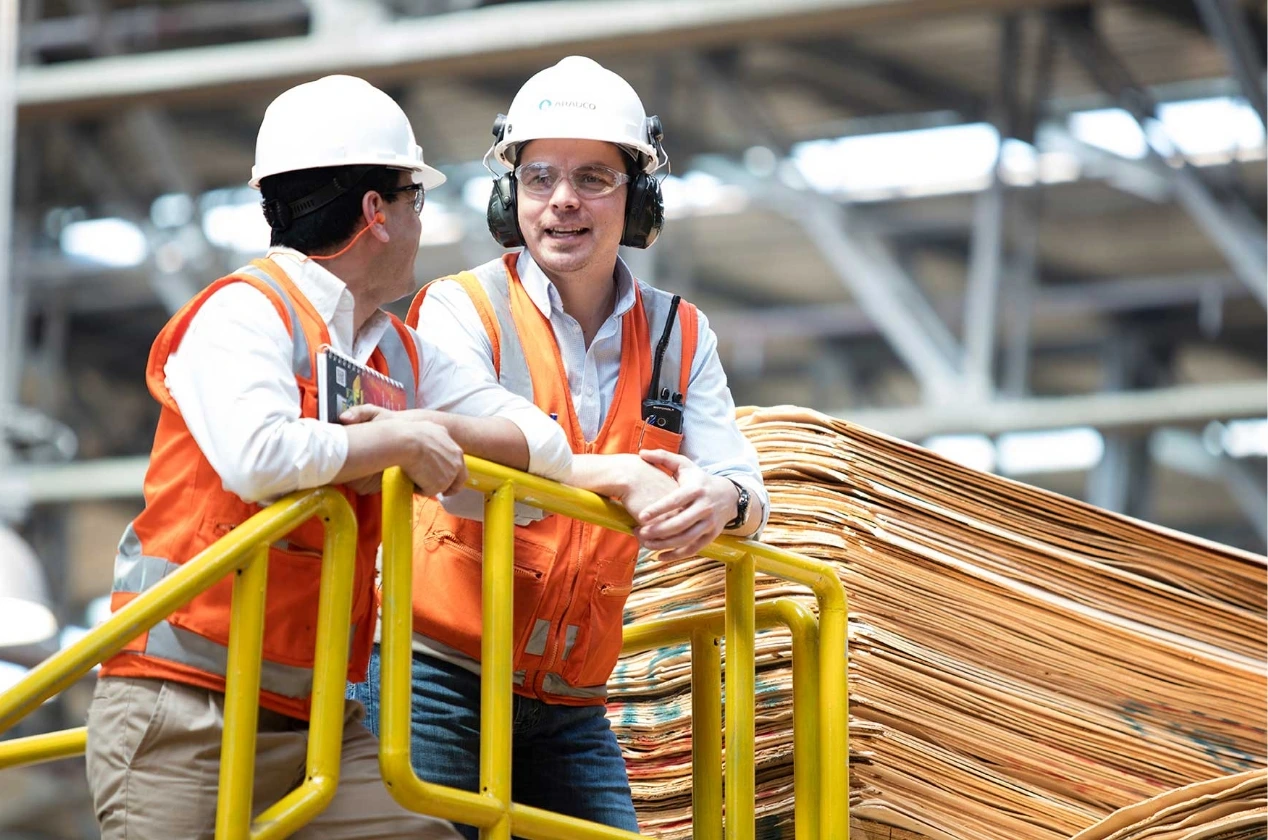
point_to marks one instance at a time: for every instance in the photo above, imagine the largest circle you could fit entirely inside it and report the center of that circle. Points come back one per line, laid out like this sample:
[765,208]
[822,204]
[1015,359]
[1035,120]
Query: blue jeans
[563,758]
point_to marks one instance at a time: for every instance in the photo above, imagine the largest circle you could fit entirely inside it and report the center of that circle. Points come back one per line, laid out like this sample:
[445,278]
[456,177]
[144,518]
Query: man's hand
[644,485]
[690,517]
[429,457]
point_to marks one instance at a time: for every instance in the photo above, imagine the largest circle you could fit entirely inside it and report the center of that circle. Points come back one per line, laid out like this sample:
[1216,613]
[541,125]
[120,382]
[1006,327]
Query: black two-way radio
[662,407]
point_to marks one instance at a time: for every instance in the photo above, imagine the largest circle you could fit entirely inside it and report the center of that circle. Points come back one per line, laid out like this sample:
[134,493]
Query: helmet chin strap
[487,156]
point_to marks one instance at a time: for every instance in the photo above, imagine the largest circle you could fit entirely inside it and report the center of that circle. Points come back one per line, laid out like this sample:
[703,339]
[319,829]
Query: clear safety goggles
[589,181]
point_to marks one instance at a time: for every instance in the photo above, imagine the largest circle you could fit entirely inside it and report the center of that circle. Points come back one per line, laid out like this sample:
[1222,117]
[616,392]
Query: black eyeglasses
[417,189]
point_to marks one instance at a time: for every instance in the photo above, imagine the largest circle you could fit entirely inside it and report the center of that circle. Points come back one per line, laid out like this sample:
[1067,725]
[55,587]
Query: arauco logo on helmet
[546,104]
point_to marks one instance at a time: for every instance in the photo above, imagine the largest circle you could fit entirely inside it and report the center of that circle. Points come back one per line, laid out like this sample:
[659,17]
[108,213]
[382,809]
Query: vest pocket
[654,437]
[592,659]
[290,608]
[290,629]
[448,591]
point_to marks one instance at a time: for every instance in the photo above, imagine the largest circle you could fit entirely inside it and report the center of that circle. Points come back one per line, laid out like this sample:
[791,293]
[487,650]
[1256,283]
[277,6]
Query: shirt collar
[333,302]
[544,295]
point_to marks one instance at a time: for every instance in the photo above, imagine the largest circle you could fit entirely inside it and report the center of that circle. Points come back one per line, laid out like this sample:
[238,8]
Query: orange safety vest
[187,509]
[571,579]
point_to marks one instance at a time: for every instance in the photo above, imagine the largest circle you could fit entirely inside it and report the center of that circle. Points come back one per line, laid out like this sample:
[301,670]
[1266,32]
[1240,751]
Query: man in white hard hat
[632,375]
[237,376]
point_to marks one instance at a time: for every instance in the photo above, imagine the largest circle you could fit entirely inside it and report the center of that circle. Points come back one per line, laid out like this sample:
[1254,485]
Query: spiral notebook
[343,382]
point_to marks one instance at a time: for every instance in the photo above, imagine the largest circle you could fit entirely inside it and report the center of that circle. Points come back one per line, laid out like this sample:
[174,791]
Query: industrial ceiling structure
[1008,229]
[1009,272]
[1013,273]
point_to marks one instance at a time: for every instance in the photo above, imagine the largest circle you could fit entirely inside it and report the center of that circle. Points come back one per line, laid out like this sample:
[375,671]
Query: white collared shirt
[711,437]
[232,381]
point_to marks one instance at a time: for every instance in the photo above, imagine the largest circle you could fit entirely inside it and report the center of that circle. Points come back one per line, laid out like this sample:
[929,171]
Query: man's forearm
[602,474]
[373,448]
[491,438]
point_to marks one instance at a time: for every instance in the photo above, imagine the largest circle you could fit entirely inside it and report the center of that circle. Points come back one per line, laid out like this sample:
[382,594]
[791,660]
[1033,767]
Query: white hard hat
[578,99]
[338,121]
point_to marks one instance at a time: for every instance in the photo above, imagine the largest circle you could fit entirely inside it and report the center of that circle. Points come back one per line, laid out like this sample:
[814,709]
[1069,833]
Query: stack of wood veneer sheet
[1022,664]
[1231,807]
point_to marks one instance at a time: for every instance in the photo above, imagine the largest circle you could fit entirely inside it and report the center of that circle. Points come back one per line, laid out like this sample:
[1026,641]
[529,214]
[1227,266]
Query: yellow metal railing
[821,749]
[243,553]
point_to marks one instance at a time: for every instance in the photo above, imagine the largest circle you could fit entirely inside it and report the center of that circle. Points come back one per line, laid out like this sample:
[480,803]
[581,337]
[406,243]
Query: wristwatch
[741,506]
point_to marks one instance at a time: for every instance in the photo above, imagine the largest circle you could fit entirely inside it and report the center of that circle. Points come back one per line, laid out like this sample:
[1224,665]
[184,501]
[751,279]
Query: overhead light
[973,451]
[1058,450]
[25,617]
[1245,438]
[117,243]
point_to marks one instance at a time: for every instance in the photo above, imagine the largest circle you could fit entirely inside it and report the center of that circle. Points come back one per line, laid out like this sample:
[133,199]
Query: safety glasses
[416,189]
[589,181]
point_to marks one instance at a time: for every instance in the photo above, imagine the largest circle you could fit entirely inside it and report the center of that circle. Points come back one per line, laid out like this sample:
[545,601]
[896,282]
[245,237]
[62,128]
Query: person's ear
[372,213]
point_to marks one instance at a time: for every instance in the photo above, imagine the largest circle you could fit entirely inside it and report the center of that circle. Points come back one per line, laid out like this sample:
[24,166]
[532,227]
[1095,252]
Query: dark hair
[329,226]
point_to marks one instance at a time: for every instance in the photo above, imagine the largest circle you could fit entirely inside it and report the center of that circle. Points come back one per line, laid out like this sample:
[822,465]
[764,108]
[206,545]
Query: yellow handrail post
[496,654]
[706,736]
[396,669]
[242,697]
[397,625]
[834,717]
[330,674]
[740,702]
[806,761]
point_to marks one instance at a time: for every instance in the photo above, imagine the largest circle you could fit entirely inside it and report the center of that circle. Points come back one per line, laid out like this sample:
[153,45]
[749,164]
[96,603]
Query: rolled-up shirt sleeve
[459,378]
[711,437]
[232,383]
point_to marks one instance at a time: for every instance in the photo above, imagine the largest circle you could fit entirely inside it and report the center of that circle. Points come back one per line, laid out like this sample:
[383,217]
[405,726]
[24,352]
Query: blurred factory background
[1027,234]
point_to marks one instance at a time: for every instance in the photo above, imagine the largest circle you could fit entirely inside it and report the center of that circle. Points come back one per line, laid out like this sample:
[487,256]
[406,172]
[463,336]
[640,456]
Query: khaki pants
[154,767]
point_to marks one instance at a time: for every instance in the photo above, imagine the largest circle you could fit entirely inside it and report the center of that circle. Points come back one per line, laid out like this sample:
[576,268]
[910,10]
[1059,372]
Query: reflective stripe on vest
[301,360]
[555,684]
[390,345]
[541,632]
[514,375]
[136,572]
[398,364]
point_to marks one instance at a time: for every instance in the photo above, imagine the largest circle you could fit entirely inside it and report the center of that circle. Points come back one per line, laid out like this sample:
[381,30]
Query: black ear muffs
[503,214]
[644,212]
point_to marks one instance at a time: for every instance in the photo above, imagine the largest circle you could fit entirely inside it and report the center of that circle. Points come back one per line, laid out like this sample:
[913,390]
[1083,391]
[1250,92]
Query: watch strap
[741,506]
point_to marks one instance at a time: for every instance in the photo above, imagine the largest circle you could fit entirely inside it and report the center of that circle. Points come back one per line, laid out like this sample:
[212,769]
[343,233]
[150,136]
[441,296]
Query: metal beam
[9,351]
[479,41]
[1226,22]
[882,288]
[1183,451]
[891,299]
[147,24]
[1089,299]
[928,90]
[1178,405]
[1246,251]
[1246,488]
[104,478]
[986,253]
[1120,482]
